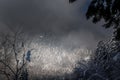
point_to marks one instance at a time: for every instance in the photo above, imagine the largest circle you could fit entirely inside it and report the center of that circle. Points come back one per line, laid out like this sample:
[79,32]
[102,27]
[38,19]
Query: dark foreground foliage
[104,63]
[107,10]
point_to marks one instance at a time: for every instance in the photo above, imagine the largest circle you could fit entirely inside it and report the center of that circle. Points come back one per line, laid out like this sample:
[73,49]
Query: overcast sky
[56,18]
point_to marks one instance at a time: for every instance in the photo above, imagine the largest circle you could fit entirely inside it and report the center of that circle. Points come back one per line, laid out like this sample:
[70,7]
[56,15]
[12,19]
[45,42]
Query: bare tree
[12,56]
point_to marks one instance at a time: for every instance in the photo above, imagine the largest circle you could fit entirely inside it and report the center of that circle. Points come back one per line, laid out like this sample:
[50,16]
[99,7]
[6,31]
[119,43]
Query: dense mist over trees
[40,57]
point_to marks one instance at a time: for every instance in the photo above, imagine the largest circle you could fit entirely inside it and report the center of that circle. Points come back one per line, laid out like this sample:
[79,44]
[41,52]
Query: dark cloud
[55,17]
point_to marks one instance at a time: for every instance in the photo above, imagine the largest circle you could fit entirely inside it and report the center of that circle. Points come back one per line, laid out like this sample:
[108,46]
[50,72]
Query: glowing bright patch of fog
[47,59]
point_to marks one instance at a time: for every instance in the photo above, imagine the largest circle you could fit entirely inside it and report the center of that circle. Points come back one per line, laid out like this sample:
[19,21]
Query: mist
[53,25]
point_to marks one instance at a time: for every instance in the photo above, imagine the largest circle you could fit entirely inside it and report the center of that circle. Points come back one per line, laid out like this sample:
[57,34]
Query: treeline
[104,63]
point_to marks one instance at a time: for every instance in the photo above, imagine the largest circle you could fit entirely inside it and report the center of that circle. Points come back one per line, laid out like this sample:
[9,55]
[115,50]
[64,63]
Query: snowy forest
[91,52]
